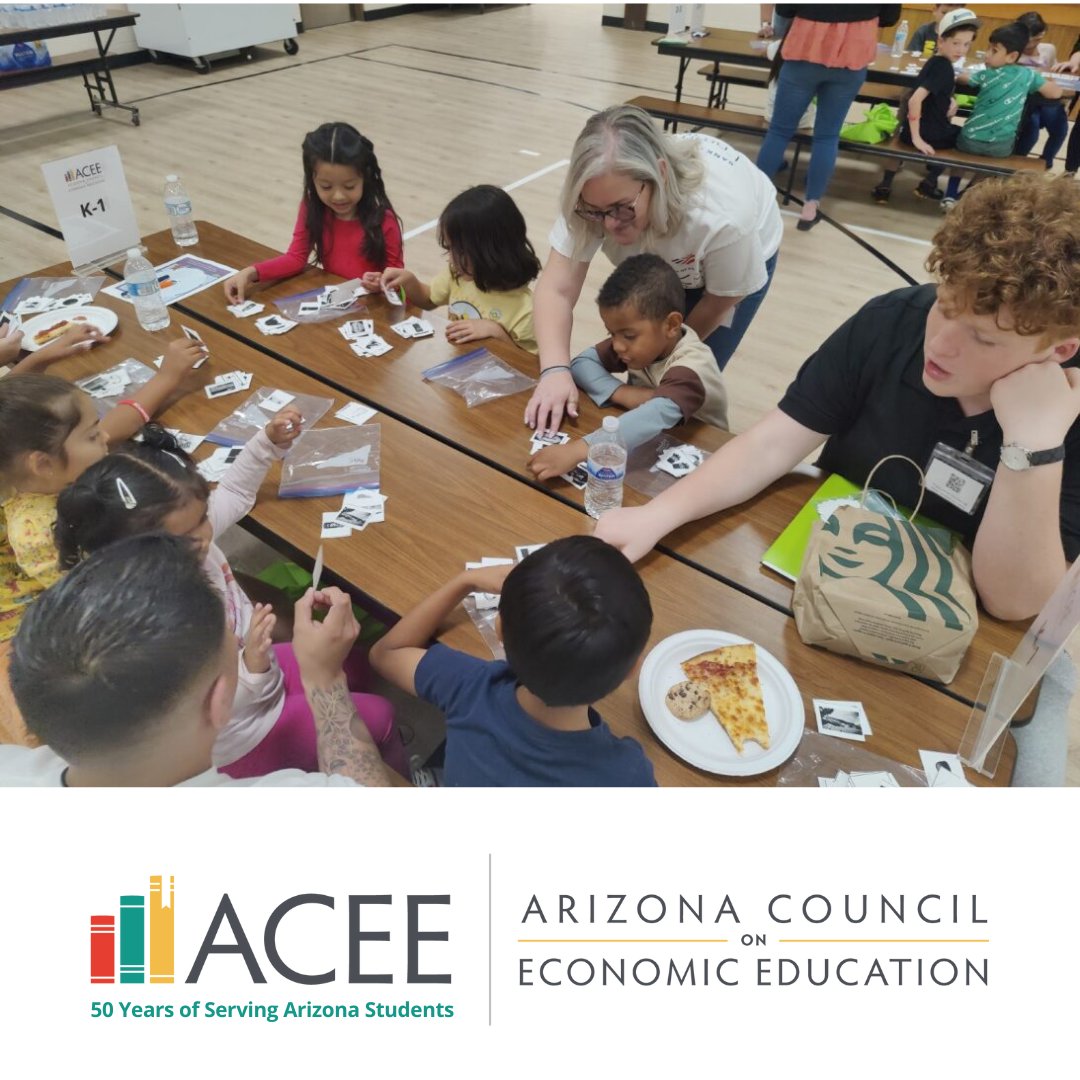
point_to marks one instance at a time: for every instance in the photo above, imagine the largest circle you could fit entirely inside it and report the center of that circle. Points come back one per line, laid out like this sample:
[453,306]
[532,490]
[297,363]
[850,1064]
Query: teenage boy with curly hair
[984,362]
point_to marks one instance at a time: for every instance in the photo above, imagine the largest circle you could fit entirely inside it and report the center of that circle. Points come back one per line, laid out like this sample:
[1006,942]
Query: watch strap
[1047,457]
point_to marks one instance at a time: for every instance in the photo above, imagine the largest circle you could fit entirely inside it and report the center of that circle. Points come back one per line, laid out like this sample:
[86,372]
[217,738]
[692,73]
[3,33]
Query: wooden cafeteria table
[445,507]
[721,46]
[727,545]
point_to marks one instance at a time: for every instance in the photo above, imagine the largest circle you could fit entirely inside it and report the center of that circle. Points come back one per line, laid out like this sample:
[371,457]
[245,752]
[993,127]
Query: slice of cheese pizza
[730,674]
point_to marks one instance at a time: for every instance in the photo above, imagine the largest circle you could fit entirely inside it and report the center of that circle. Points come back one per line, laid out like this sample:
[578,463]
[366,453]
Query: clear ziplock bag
[642,474]
[478,376]
[249,418]
[826,756]
[132,373]
[289,306]
[54,288]
[332,461]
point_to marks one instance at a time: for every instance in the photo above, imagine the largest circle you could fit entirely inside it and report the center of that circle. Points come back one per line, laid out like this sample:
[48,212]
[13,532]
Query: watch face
[1015,457]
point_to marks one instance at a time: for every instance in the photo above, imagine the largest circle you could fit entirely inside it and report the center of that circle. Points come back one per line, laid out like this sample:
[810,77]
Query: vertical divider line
[489,939]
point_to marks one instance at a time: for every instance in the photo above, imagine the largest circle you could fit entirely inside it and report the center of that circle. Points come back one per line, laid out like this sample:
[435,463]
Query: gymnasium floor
[450,98]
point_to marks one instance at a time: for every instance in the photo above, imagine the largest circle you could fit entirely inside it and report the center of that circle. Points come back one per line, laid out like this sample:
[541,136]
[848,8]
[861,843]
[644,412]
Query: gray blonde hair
[624,139]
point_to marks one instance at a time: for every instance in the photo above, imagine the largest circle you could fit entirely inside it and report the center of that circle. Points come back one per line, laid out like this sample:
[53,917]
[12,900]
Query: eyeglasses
[619,213]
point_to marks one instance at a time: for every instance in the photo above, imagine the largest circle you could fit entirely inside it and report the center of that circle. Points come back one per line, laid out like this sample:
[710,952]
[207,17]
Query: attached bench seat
[719,80]
[684,112]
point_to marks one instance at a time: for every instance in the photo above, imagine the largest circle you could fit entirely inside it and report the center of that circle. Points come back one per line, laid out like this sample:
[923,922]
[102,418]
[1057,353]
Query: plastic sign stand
[93,207]
[1009,680]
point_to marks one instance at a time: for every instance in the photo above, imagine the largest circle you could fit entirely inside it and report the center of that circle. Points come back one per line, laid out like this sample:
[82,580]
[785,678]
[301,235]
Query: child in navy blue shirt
[574,619]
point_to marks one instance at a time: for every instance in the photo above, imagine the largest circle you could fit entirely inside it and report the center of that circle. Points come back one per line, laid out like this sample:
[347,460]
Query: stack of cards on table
[942,769]
[843,719]
[246,308]
[578,476]
[370,346]
[274,324]
[413,328]
[486,601]
[873,778]
[35,305]
[355,413]
[359,509]
[215,466]
[107,384]
[231,382]
[679,460]
[356,329]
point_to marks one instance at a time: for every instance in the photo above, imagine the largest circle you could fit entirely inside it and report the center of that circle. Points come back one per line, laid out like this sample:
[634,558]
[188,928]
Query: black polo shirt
[864,389]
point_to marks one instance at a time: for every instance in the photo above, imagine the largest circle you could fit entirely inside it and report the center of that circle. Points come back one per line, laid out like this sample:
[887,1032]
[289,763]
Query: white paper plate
[704,742]
[103,318]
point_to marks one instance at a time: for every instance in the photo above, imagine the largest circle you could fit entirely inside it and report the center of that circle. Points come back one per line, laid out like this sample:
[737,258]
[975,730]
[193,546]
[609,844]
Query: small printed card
[680,460]
[370,346]
[356,329]
[355,413]
[844,719]
[276,401]
[413,328]
[246,308]
[274,324]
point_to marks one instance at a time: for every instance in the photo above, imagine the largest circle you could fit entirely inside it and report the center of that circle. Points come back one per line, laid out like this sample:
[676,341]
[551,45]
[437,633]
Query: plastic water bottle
[181,219]
[900,40]
[607,469]
[145,292]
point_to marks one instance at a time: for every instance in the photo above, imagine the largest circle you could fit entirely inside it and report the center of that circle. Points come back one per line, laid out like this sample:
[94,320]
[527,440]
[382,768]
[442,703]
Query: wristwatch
[1017,457]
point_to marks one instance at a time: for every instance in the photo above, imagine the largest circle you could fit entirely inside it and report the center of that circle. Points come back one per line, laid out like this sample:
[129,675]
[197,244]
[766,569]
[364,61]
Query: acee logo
[83,172]
[241,945]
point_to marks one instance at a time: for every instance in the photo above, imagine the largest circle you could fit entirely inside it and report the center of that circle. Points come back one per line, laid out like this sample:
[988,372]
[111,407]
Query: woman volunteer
[692,199]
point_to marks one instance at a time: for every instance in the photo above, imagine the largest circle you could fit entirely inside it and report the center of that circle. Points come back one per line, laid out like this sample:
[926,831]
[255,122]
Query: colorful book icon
[132,939]
[102,949]
[161,929]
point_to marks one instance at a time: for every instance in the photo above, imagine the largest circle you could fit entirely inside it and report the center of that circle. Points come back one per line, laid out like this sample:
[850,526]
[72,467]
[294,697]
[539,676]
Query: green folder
[786,554]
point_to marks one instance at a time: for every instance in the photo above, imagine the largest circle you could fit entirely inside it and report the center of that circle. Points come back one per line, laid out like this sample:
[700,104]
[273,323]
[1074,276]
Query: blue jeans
[724,340]
[798,84]
[1043,114]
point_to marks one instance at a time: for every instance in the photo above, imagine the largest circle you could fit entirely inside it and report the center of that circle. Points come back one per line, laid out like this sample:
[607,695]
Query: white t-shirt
[732,227]
[22,767]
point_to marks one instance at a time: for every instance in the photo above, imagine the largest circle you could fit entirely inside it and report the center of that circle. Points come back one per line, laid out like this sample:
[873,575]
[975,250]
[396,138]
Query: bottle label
[178,208]
[143,288]
[605,472]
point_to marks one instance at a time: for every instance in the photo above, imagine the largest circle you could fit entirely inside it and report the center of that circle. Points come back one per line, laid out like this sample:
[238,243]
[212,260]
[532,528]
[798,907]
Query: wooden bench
[872,93]
[684,112]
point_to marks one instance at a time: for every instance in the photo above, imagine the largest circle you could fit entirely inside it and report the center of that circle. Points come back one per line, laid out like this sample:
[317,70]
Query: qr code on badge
[956,483]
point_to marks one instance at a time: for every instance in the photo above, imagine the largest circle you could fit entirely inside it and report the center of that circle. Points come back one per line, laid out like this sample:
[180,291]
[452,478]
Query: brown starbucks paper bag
[882,588]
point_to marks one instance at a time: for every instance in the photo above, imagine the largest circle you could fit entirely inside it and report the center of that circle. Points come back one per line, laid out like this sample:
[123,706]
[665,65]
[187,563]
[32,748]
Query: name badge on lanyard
[957,477]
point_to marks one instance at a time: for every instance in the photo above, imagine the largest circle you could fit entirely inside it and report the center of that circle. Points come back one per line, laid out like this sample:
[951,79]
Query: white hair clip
[179,460]
[129,500]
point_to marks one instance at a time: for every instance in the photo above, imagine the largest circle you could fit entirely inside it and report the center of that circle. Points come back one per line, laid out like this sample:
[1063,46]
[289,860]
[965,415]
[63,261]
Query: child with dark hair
[1003,87]
[153,486]
[49,433]
[574,619]
[345,218]
[491,263]
[672,373]
[1041,115]
[927,122]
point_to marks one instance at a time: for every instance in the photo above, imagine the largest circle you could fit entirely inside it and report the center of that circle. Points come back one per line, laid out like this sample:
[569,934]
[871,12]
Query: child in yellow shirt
[491,263]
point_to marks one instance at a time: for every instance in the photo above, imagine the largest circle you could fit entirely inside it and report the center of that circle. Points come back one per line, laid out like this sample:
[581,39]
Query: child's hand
[10,343]
[923,147]
[259,640]
[553,461]
[284,428]
[239,285]
[78,337]
[952,109]
[181,356]
[372,281]
[488,578]
[461,330]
